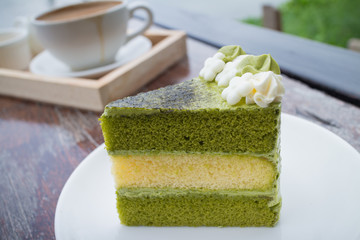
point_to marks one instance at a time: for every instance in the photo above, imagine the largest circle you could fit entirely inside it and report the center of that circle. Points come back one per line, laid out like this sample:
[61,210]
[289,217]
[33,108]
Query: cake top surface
[193,94]
[230,79]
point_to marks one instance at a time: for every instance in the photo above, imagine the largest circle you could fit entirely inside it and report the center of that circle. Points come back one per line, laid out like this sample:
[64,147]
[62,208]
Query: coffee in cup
[77,11]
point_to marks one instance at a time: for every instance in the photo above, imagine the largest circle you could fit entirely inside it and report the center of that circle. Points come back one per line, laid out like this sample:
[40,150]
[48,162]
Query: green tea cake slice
[204,152]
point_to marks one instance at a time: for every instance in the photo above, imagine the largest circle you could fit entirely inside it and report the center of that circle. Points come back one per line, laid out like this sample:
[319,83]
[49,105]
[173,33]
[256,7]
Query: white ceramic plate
[320,186]
[46,64]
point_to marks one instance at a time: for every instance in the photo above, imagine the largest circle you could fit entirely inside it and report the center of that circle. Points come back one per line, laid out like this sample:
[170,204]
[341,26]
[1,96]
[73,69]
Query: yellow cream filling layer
[193,171]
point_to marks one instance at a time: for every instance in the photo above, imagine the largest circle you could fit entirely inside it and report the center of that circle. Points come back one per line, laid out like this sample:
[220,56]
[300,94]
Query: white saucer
[46,64]
[320,187]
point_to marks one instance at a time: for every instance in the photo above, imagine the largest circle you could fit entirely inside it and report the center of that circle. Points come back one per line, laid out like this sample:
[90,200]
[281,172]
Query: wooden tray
[93,94]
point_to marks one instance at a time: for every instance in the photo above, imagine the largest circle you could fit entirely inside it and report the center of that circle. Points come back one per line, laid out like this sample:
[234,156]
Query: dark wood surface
[333,69]
[42,144]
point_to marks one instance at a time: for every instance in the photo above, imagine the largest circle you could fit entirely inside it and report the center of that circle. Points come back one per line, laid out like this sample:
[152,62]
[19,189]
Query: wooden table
[41,144]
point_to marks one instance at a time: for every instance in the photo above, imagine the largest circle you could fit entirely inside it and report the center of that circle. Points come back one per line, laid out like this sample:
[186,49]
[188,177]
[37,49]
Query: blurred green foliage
[329,21]
[254,21]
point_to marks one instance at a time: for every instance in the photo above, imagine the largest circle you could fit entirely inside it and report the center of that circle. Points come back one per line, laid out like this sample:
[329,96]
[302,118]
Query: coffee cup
[89,34]
[14,49]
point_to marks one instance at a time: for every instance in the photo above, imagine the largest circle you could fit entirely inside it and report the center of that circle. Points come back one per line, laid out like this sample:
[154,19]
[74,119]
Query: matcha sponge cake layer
[161,207]
[212,126]
[204,152]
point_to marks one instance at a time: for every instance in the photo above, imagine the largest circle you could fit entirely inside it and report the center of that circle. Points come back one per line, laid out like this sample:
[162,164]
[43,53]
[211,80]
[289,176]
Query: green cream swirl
[255,77]
[232,61]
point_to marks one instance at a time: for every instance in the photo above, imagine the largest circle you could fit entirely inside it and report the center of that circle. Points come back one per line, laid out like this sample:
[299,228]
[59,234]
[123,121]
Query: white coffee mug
[85,41]
[14,49]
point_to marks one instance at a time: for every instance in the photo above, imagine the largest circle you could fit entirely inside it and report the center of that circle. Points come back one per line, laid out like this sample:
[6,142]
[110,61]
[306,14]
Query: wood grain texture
[41,144]
[325,67]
